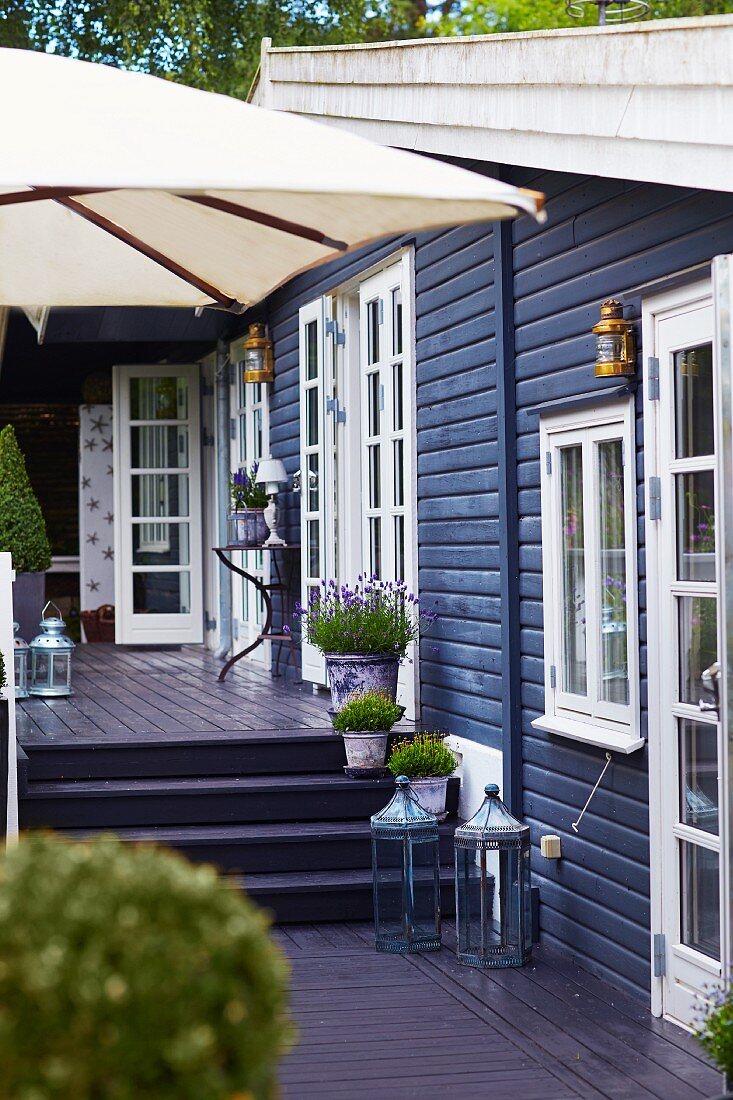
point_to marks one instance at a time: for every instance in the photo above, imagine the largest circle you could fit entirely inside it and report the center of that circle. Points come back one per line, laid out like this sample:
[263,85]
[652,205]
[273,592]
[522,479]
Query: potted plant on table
[22,534]
[364,633]
[364,723]
[246,522]
[715,1032]
[428,763]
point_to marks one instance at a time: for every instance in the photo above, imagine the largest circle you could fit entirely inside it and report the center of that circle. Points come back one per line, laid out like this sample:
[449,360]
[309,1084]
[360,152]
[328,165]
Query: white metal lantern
[20,662]
[51,657]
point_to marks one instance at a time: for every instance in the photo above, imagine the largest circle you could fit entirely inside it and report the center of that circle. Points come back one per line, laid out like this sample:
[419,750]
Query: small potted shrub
[364,722]
[428,763]
[127,972]
[22,534]
[246,521]
[364,633]
[715,1032]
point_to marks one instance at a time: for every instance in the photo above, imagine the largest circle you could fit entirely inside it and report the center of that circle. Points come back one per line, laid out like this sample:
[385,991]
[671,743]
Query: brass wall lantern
[259,363]
[615,342]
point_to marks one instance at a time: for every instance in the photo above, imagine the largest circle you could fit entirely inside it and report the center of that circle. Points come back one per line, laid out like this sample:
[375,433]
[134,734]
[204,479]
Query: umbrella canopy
[118,188]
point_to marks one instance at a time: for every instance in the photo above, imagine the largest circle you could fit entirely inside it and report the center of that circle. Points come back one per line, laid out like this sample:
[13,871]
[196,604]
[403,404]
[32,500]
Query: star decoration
[92,504]
[86,482]
[98,425]
[107,445]
[93,586]
[93,538]
[110,518]
[110,471]
[108,553]
[90,444]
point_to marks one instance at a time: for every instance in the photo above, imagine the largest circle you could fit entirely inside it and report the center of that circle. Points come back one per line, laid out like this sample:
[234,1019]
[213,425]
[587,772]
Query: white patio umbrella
[118,188]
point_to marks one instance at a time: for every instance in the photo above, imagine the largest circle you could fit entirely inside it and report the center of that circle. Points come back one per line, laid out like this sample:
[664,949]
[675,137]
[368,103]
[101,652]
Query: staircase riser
[280,757]
[333,905]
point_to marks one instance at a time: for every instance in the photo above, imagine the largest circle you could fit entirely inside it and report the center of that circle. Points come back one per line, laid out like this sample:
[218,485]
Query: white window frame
[612,726]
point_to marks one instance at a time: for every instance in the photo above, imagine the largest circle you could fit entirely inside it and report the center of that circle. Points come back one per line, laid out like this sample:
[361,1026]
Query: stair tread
[293,881]
[263,832]
[187,784]
[188,740]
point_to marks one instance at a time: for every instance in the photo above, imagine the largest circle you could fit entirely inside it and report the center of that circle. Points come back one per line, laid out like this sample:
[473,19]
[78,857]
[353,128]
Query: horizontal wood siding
[602,237]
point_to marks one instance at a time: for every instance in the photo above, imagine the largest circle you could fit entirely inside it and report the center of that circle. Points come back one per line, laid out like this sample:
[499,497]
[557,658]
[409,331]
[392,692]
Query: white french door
[358,444]
[686,744]
[157,479]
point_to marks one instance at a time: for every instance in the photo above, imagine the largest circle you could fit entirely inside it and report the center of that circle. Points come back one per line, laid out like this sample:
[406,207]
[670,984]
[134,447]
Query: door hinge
[553,677]
[380,311]
[209,623]
[207,388]
[381,398]
[207,438]
[339,336]
[655,498]
[232,428]
[235,628]
[659,955]
[548,462]
[339,414]
[653,376]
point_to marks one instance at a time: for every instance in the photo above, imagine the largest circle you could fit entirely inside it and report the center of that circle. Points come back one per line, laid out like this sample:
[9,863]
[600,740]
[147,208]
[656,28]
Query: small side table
[283,585]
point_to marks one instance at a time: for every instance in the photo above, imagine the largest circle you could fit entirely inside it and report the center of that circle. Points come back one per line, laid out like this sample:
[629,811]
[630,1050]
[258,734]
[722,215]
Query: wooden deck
[379,1026]
[121,694]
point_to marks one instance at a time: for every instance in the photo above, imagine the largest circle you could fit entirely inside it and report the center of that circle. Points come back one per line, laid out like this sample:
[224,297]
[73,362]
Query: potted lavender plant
[246,521]
[364,633]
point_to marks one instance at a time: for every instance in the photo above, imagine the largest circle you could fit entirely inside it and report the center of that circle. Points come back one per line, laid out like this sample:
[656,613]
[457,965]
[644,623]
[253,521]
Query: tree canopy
[215,44]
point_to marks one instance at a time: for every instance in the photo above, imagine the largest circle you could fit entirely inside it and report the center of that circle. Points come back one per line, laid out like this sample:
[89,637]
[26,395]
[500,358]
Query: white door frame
[156,629]
[680,963]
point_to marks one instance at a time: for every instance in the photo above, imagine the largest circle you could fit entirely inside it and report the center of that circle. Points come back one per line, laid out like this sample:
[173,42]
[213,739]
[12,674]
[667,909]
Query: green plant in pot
[715,1032]
[428,763]
[364,721]
[246,520]
[364,633]
[127,973]
[23,535]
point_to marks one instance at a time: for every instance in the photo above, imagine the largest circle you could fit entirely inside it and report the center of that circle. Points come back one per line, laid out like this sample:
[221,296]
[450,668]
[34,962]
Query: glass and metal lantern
[493,897]
[20,662]
[259,364]
[405,874]
[51,657]
[615,342]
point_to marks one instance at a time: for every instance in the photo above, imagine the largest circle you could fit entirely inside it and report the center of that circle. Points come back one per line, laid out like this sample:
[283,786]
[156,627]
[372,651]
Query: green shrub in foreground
[715,1031]
[367,711]
[22,528]
[422,756]
[129,974]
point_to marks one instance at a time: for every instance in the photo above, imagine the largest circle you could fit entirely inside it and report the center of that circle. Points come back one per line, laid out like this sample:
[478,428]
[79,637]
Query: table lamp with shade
[272,474]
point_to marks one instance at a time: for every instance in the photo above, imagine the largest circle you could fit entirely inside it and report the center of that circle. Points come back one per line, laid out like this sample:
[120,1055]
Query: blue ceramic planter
[352,672]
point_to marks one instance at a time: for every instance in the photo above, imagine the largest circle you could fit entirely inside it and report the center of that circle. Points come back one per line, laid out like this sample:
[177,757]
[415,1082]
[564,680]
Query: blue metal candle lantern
[494,928]
[20,663]
[51,657]
[405,874]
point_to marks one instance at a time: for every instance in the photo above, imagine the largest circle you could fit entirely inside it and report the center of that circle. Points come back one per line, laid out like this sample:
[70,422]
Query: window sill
[600,737]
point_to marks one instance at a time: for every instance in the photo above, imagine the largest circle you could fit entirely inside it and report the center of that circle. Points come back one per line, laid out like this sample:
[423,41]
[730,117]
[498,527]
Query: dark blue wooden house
[438,397]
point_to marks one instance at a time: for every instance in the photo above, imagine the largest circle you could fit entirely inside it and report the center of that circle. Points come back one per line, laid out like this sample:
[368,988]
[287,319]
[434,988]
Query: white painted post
[6,648]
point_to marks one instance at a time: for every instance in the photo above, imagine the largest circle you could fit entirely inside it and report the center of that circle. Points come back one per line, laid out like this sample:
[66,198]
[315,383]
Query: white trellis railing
[9,812]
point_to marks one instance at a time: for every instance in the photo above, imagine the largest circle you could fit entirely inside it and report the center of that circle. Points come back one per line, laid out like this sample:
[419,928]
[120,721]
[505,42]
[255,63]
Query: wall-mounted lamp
[259,363]
[615,342]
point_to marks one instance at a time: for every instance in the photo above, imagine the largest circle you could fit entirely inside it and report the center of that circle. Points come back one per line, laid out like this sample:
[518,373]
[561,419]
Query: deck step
[272,847]
[264,752]
[109,804]
[327,896]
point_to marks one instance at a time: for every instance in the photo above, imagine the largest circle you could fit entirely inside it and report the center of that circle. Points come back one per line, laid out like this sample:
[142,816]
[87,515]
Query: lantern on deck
[493,896]
[20,663]
[405,874]
[51,657]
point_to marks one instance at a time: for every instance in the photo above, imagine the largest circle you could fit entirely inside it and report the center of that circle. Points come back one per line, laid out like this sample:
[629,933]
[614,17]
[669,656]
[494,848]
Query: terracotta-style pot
[431,794]
[367,749]
[356,672]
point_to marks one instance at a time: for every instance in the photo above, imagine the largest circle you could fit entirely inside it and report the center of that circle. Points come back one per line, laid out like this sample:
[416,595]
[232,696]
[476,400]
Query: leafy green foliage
[373,617]
[422,756]
[367,711]
[126,973]
[244,490]
[715,1031]
[506,16]
[22,529]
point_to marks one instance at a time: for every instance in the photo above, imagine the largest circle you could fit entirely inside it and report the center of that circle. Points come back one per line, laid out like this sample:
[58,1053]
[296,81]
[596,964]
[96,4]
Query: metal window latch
[332,405]
[575,824]
[296,482]
[659,952]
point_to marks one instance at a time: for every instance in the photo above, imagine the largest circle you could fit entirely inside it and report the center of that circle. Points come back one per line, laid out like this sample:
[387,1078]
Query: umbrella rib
[271,220]
[40,194]
[151,253]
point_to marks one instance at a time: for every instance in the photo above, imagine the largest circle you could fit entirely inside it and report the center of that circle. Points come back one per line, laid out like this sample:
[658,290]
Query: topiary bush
[22,528]
[126,973]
